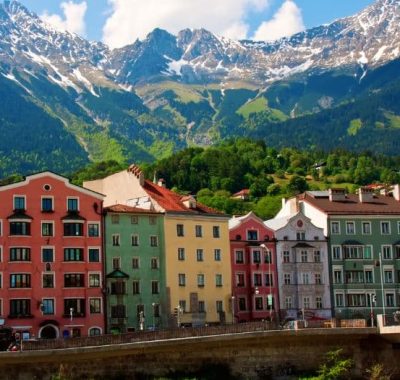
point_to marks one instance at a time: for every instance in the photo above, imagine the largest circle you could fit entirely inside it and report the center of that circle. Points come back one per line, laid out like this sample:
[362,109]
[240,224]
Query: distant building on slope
[51,258]
[196,256]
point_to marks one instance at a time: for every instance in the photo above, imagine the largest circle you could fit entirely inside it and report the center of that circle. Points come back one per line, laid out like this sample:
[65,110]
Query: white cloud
[132,19]
[287,20]
[73,19]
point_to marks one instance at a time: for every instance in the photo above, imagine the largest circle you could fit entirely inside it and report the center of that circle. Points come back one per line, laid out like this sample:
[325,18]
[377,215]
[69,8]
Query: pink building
[51,258]
[254,276]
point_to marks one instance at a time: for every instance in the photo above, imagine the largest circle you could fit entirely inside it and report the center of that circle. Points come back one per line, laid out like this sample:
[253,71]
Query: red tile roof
[380,204]
[128,209]
[171,201]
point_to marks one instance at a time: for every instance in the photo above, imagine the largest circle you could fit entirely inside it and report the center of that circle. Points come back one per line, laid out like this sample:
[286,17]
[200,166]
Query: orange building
[51,258]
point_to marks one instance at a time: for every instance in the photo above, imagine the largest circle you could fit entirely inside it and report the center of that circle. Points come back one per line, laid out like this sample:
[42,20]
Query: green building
[364,243]
[135,269]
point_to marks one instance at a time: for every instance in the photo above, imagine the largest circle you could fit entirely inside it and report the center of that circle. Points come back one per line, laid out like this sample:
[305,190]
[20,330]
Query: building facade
[196,238]
[364,237]
[51,258]
[135,269]
[254,274]
[303,268]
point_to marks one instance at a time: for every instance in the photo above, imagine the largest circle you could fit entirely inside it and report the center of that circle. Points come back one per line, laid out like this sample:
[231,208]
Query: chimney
[396,192]
[161,182]
[336,195]
[135,170]
[189,201]
[365,195]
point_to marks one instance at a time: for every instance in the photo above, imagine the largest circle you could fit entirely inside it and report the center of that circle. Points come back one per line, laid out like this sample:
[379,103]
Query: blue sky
[118,22]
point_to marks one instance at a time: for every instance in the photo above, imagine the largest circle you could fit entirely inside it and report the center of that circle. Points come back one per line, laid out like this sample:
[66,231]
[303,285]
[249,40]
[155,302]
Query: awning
[117,273]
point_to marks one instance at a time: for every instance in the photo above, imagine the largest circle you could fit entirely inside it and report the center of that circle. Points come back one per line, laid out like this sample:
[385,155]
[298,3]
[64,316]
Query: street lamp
[141,321]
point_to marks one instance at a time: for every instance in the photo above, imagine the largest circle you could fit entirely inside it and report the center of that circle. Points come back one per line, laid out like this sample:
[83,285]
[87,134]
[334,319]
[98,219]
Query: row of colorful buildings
[123,253]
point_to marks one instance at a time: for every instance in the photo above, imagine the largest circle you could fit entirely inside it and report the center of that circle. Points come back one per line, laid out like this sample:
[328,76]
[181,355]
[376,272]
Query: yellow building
[197,253]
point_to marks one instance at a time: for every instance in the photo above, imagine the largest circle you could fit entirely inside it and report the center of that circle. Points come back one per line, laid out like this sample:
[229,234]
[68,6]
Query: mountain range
[67,101]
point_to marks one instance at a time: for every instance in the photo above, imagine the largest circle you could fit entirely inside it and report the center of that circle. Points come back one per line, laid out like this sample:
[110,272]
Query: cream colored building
[197,253]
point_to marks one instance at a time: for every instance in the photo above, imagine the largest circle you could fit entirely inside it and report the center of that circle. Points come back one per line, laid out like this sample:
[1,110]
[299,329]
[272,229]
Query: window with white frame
[335,227]
[182,279]
[94,280]
[388,276]
[181,254]
[288,302]
[199,230]
[135,240]
[389,298]
[217,254]
[366,228]
[256,256]
[318,279]
[154,263]
[317,256]
[286,256]
[336,252]
[318,302]
[306,302]
[368,252]
[339,300]
[305,278]
[135,262]
[304,256]
[385,228]
[387,252]
[240,280]
[199,254]
[115,240]
[153,241]
[350,228]
[239,257]
[337,276]
[93,229]
[287,278]
[218,280]
[369,276]
[200,280]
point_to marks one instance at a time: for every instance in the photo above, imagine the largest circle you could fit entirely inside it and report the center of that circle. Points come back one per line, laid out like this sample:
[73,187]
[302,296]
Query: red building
[51,258]
[254,275]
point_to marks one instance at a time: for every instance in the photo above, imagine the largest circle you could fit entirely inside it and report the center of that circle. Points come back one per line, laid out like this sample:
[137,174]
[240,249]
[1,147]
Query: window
[155,287]
[181,279]
[181,254]
[72,204]
[94,305]
[19,203]
[47,255]
[389,299]
[47,204]
[47,229]
[317,256]
[317,277]
[73,254]
[73,229]
[202,307]
[93,230]
[118,287]
[156,310]
[94,280]
[350,228]
[385,228]
[337,276]
[152,220]
[182,305]
[397,251]
[368,275]
[20,280]
[20,307]
[366,228]
[288,302]
[219,306]
[336,252]
[242,304]
[306,302]
[48,280]
[218,280]
[268,257]
[301,235]
[20,254]
[318,302]
[354,277]
[305,278]
[154,263]
[339,300]
[199,231]
[256,257]
[356,300]
[77,305]
[387,252]
[199,254]
[368,252]
[287,278]
[116,262]
[153,241]
[47,306]
[335,228]
[135,287]
[74,280]
[180,230]
[240,280]
[353,251]
[388,276]
[252,235]
[259,304]
[94,331]
[286,256]
[304,256]
[217,254]
[216,232]
[269,279]
[20,228]
[114,218]
[257,279]
[135,240]
[135,262]
[134,219]
[94,255]
[118,311]
[239,257]
[115,240]
[200,280]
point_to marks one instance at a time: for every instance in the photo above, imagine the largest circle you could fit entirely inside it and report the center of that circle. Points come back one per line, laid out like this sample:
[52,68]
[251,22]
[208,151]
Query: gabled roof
[173,202]
[129,209]
[380,205]
[117,273]
[237,221]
